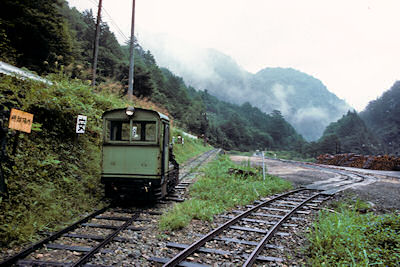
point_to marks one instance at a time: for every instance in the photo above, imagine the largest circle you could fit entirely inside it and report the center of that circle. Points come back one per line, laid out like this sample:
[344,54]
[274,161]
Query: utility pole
[132,49]
[263,164]
[96,45]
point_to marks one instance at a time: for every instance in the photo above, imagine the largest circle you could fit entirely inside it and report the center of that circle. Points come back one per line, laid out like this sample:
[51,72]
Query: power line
[119,31]
[116,26]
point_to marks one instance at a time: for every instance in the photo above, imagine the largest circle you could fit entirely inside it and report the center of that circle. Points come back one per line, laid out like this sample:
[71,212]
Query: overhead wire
[119,31]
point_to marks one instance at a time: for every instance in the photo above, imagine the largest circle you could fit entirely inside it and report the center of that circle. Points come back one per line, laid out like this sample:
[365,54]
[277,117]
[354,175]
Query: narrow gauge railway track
[187,176]
[265,218]
[80,233]
[196,162]
[345,178]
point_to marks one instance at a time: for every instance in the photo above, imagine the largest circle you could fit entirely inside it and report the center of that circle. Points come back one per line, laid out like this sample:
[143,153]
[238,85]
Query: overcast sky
[352,46]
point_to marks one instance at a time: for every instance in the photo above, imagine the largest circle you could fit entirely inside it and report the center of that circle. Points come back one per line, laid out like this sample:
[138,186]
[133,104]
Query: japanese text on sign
[20,121]
[81,124]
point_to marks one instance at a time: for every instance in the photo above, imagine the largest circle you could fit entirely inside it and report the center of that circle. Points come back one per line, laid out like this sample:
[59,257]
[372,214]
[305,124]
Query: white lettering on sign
[81,124]
[134,131]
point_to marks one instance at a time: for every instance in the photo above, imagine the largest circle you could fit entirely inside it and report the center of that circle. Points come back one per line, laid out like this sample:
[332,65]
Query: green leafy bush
[348,238]
[52,174]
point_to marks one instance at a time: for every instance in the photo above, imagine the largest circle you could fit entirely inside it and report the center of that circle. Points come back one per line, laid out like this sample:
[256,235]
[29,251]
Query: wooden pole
[96,44]
[132,50]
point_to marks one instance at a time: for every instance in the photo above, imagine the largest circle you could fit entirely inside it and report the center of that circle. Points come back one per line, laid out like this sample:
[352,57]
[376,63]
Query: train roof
[160,115]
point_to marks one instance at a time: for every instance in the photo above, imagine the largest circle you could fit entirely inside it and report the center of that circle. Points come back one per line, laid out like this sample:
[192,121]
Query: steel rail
[207,156]
[107,240]
[253,256]
[199,243]
[11,260]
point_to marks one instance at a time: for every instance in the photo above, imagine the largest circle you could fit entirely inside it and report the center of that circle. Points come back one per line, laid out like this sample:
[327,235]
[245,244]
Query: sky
[352,46]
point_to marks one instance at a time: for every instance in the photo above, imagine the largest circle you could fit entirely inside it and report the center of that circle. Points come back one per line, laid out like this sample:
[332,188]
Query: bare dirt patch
[298,175]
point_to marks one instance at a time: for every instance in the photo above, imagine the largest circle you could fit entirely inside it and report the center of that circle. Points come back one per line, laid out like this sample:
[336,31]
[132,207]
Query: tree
[349,134]
[37,32]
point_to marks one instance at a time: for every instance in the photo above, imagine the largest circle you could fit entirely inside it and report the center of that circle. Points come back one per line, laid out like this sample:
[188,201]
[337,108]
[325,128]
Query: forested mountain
[348,135]
[382,116]
[302,99]
[65,37]
[34,34]
[246,126]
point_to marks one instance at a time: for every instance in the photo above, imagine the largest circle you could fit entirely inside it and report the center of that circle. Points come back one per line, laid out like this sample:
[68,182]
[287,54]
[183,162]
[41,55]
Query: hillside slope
[348,135]
[302,99]
[382,116]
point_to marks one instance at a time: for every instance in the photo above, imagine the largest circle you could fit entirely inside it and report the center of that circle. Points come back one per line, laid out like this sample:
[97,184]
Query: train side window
[150,131]
[118,130]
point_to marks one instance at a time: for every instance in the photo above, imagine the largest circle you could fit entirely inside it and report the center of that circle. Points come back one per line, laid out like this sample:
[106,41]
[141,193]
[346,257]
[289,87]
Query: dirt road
[383,189]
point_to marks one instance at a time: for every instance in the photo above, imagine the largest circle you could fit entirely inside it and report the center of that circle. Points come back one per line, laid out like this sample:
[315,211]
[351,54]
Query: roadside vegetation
[218,191]
[351,236]
[190,148]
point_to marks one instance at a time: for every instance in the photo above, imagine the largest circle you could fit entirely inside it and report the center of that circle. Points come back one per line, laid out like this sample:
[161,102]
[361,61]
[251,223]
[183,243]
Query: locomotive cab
[136,159]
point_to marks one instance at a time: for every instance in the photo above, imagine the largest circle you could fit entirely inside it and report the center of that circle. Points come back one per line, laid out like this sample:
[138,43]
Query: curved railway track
[262,228]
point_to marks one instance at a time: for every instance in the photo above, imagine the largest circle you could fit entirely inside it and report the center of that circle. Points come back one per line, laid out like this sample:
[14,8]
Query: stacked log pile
[387,163]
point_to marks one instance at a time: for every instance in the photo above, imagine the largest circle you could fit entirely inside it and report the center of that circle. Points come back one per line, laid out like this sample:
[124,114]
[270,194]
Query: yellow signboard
[20,120]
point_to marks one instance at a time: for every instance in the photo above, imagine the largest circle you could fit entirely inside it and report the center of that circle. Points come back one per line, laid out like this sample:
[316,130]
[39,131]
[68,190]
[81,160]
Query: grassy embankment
[218,191]
[189,149]
[53,176]
[350,237]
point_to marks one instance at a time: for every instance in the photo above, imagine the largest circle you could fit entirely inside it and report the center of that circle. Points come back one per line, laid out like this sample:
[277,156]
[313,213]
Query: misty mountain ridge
[303,100]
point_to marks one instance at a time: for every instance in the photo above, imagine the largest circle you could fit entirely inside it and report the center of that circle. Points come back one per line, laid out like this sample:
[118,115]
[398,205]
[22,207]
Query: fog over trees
[302,99]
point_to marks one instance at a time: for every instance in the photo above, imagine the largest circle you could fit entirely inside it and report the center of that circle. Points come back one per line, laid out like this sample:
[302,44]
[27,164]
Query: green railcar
[137,159]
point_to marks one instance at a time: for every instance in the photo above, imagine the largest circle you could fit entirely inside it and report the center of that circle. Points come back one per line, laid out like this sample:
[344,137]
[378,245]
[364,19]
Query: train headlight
[129,111]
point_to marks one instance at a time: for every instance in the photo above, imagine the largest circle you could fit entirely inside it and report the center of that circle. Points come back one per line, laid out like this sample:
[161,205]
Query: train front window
[136,131]
[133,131]
[118,130]
[151,131]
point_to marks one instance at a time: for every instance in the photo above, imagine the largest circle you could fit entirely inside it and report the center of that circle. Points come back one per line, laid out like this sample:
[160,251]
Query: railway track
[344,179]
[186,178]
[255,227]
[79,242]
[191,165]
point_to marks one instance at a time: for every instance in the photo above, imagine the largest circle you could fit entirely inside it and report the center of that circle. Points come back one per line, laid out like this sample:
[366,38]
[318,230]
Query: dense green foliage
[349,238]
[347,135]
[247,128]
[382,116]
[218,191]
[52,175]
[34,35]
[189,149]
